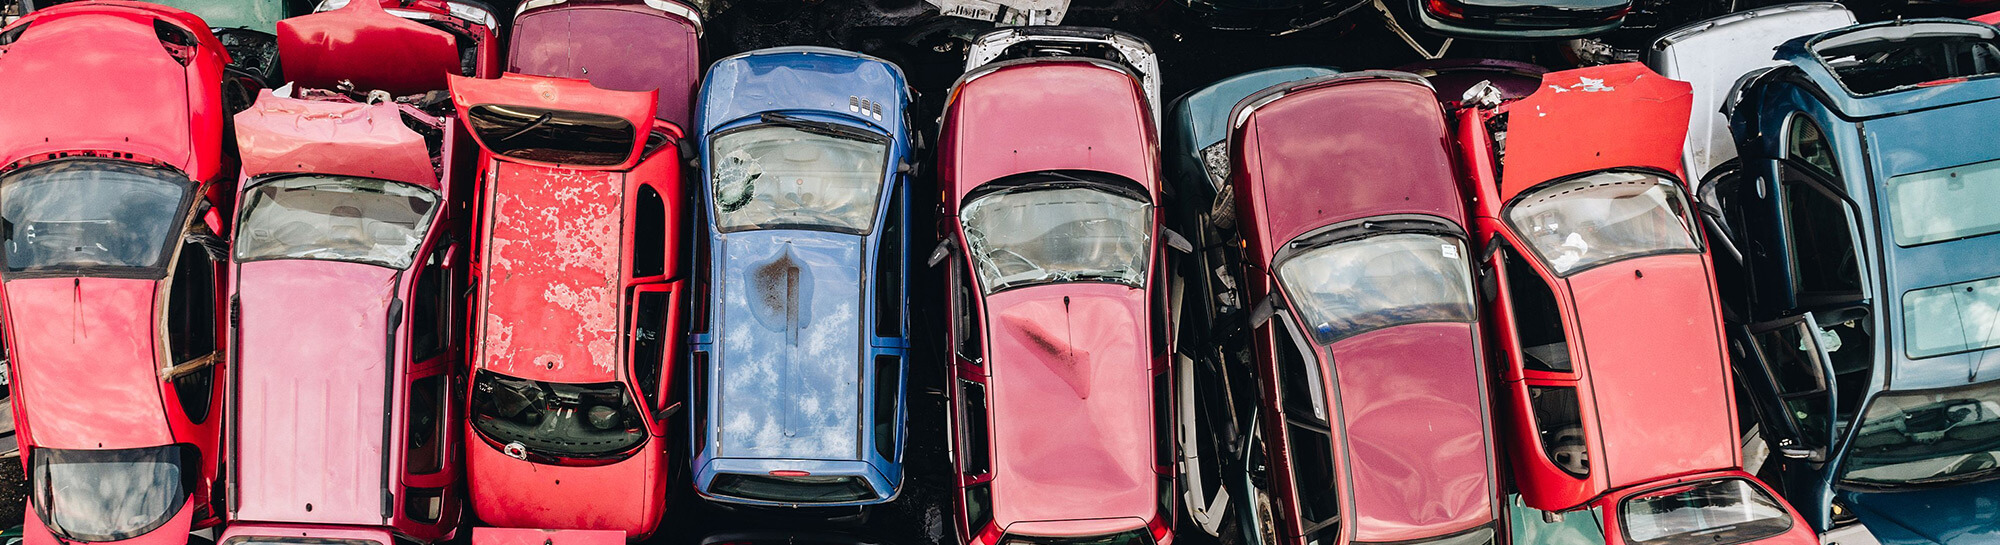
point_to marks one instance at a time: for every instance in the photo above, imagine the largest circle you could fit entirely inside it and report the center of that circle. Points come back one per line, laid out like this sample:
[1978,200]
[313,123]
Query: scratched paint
[552,302]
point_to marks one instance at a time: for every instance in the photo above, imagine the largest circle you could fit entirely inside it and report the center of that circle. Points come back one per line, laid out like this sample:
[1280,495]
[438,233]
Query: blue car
[800,340]
[1867,300]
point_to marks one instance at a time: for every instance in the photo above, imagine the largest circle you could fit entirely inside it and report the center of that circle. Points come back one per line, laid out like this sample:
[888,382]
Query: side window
[430,325]
[1823,261]
[1304,394]
[697,374]
[978,508]
[1538,323]
[649,234]
[191,330]
[888,389]
[963,314]
[1559,421]
[1805,143]
[1313,475]
[426,425]
[700,286]
[649,339]
[889,273]
[1800,376]
[972,440]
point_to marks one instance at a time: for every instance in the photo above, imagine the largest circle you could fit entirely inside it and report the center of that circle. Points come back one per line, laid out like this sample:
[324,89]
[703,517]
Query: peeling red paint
[552,302]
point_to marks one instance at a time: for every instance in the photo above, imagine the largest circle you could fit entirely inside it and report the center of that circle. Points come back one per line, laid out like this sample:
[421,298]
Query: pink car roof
[1049,115]
[312,371]
[88,374]
[1072,418]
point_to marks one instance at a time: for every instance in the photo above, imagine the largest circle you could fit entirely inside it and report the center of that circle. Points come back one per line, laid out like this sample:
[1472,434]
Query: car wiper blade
[823,128]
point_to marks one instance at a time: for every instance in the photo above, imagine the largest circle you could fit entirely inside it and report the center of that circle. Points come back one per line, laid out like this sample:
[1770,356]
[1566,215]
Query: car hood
[1965,514]
[1418,451]
[789,360]
[363,44]
[89,374]
[1589,119]
[280,135]
[550,298]
[1201,118]
[1070,389]
[1653,355]
[803,78]
[311,375]
[99,81]
[624,47]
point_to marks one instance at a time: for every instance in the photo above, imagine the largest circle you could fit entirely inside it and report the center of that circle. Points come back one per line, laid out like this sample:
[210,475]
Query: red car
[397,46]
[1366,339]
[1605,316]
[116,192]
[578,308]
[1063,418]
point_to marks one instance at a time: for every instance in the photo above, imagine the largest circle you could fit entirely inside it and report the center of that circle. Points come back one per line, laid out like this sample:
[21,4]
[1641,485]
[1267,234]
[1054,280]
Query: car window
[1313,474]
[1601,218]
[556,420]
[649,234]
[338,218]
[431,309]
[773,176]
[1952,318]
[1559,423]
[1928,437]
[1037,235]
[1355,286]
[191,329]
[649,342]
[1916,54]
[1537,318]
[1804,142]
[967,325]
[1794,362]
[88,213]
[889,273]
[1944,204]
[1304,393]
[108,495]
[425,440]
[552,136]
[1821,237]
[1703,513]
[888,391]
[972,428]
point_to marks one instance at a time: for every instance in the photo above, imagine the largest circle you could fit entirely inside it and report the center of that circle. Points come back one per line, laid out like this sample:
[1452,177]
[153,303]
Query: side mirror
[1814,455]
[1264,310]
[1177,242]
[668,412]
[943,250]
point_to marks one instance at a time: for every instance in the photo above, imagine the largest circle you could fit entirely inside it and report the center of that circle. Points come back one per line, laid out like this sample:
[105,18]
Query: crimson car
[1062,415]
[114,191]
[1605,318]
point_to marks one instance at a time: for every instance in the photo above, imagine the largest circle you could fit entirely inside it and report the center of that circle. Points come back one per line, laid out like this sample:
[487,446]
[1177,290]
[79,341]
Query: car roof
[1305,166]
[1712,55]
[1070,396]
[1596,118]
[312,380]
[803,78]
[1106,125]
[87,370]
[550,294]
[75,106]
[1918,95]
[625,46]
[1202,116]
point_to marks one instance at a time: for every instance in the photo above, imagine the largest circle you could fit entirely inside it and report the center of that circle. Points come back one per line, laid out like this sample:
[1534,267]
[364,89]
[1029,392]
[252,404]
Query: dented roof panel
[550,297]
[789,359]
[1589,119]
[278,135]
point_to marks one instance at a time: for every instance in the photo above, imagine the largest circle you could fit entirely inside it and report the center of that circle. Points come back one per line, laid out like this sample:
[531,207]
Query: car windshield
[1715,511]
[1951,318]
[1036,235]
[1944,204]
[556,420]
[337,218]
[1350,287]
[1927,437]
[90,213]
[1603,217]
[776,176]
[107,495]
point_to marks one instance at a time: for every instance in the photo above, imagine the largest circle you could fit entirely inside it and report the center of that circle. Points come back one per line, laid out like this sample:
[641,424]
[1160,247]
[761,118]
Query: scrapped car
[1274,17]
[1455,79]
[1122,49]
[578,286]
[804,217]
[1214,412]
[1365,338]
[343,39]
[1715,54]
[115,209]
[1869,266]
[1586,226]
[1061,391]
[622,45]
[246,30]
[1519,20]
[347,290]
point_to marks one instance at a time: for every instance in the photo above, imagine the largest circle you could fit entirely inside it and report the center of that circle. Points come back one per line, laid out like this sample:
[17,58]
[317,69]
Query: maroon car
[1364,338]
[622,45]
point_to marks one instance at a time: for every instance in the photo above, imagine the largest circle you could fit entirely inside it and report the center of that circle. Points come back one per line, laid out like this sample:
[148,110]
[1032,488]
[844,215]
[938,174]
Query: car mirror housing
[1814,455]
[943,251]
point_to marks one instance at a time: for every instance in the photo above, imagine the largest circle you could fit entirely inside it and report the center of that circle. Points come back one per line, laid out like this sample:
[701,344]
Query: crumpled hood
[1967,514]
[789,358]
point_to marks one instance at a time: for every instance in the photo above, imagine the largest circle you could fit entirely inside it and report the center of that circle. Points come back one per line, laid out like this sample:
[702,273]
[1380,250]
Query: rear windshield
[336,218]
[107,495]
[1132,537]
[553,136]
[792,489]
[90,214]
[1929,437]
[1347,288]
[556,420]
[1945,204]
[1705,513]
[1894,58]
[1603,217]
[776,176]
[1952,318]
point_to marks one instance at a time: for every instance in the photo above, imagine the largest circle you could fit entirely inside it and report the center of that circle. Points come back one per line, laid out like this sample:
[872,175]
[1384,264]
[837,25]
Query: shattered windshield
[1928,437]
[90,213]
[1038,235]
[107,495]
[1603,217]
[776,176]
[555,419]
[1347,288]
[336,218]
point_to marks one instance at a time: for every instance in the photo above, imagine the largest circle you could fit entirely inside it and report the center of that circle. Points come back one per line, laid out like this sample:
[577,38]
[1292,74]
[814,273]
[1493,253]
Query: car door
[429,381]
[1789,379]
[970,432]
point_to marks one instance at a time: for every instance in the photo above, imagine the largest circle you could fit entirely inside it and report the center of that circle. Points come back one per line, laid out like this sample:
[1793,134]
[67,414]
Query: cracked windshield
[1029,236]
[774,177]
[1928,437]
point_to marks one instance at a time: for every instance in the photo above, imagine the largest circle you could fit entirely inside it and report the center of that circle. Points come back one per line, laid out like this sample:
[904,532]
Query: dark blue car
[800,340]
[1867,315]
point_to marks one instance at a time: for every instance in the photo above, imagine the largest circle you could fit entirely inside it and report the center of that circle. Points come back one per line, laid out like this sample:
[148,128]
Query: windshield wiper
[823,128]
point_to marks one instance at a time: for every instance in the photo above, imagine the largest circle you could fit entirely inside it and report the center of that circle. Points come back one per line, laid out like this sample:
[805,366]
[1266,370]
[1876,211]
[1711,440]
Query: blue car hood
[1967,514]
[789,357]
[803,78]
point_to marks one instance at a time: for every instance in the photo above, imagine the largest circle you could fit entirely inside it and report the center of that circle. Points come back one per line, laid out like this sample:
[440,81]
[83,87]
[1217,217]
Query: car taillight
[1444,8]
[789,473]
[1162,533]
